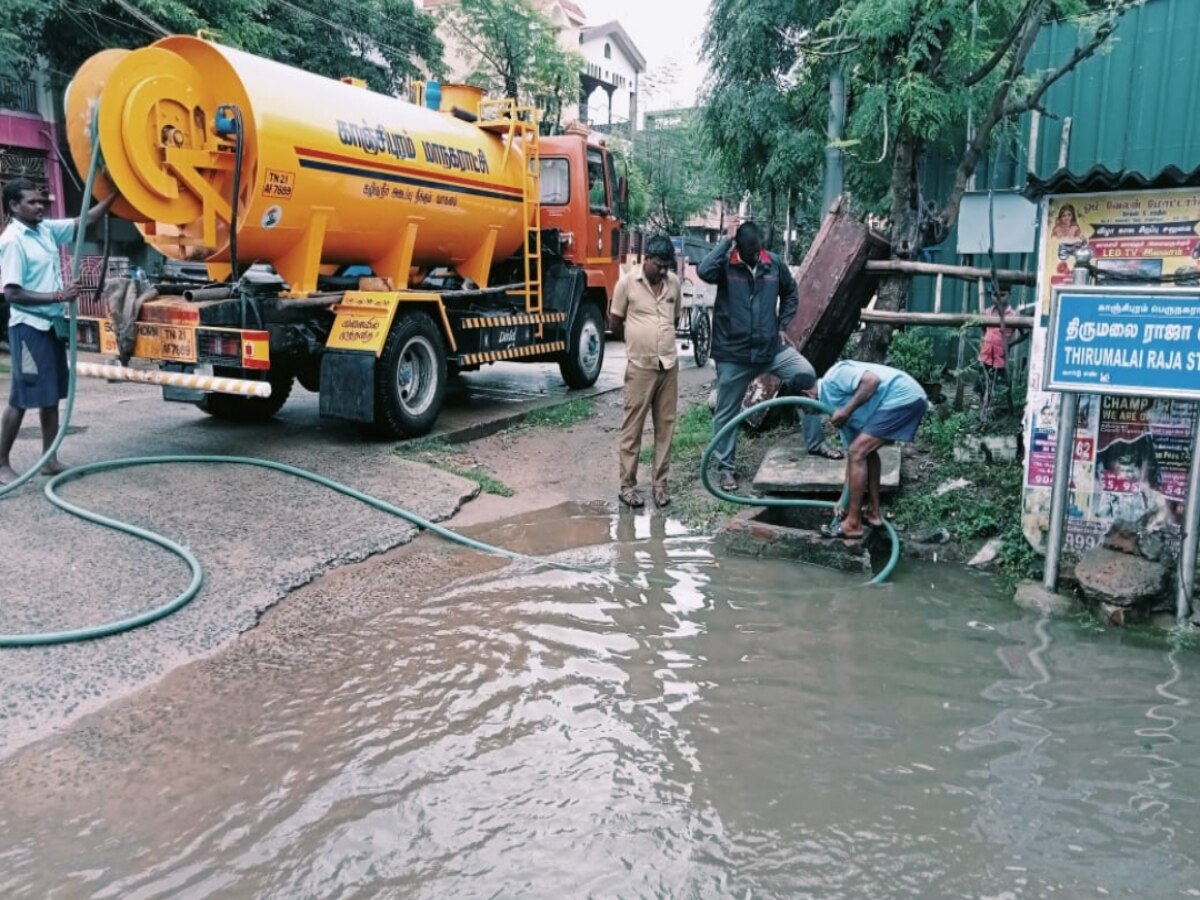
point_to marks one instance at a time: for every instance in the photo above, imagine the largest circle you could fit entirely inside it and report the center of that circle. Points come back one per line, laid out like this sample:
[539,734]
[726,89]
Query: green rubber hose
[778,502]
[193,564]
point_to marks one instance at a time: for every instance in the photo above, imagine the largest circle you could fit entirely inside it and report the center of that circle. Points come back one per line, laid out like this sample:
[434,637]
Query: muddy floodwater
[711,727]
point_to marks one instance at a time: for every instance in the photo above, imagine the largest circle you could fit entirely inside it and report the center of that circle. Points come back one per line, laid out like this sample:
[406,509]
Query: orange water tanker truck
[406,240]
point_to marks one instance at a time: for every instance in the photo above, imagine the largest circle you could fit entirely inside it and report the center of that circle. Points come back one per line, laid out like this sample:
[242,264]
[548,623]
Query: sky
[667,32]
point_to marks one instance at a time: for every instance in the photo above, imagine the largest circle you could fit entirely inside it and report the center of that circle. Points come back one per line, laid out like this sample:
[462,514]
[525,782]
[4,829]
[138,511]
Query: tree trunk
[770,236]
[905,236]
[835,131]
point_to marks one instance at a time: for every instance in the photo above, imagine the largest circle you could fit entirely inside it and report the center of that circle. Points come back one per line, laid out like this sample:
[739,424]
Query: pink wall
[31,132]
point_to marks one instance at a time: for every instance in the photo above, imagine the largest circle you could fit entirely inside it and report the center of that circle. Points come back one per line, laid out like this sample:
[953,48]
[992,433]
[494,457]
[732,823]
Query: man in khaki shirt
[647,302]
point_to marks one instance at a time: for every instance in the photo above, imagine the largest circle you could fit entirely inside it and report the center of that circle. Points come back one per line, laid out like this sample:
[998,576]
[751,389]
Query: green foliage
[989,507]
[911,351]
[981,511]
[693,431]
[638,205]
[513,51]
[942,432]
[562,415]
[915,72]
[441,455]
[384,42]
[680,177]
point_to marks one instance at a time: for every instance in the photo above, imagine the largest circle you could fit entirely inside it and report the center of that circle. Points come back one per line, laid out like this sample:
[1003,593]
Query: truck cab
[582,198]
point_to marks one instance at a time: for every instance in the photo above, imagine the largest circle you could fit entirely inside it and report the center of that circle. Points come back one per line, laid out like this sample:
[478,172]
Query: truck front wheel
[581,364]
[410,381]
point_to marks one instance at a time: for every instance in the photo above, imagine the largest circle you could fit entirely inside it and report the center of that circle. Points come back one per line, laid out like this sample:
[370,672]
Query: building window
[608,51]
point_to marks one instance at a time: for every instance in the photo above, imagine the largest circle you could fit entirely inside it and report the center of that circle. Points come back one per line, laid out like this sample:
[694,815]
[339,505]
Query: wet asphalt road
[257,533]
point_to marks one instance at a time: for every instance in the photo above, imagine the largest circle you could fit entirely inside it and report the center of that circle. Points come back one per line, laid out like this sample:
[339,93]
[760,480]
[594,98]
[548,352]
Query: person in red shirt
[993,352]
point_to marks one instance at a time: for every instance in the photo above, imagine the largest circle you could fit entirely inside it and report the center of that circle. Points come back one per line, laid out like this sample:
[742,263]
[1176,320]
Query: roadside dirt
[546,466]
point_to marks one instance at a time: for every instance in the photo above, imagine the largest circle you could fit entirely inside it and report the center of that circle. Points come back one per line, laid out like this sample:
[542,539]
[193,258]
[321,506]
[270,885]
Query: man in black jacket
[756,299]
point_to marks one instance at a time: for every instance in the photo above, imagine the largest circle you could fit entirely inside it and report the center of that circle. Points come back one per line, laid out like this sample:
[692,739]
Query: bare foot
[54,467]
[8,475]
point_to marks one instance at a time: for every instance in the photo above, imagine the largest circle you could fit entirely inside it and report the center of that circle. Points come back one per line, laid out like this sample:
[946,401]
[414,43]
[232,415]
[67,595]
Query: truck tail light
[222,346]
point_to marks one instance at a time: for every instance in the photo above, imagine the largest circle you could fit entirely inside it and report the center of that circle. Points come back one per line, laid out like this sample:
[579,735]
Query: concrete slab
[788,469]
[792,533]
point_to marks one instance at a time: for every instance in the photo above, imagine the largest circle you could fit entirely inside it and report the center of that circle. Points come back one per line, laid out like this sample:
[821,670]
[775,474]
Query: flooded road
[711,728]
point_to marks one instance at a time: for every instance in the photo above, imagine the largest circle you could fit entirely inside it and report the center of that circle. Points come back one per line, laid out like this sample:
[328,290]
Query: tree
[681,179]
[761,111]
[924,64]
[916,71]
[514,52]
[384,42]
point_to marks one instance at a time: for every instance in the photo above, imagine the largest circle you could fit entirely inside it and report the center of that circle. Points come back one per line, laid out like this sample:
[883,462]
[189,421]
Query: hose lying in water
[784,502]
[193,564]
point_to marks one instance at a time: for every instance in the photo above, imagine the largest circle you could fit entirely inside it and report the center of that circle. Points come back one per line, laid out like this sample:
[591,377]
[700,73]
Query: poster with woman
[1131,454]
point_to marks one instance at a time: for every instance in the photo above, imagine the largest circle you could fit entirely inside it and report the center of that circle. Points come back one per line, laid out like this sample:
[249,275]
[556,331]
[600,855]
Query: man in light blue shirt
[31,276]
[877,405]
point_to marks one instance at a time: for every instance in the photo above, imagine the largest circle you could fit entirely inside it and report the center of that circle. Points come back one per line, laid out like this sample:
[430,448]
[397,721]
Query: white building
[612,62]
[609,81]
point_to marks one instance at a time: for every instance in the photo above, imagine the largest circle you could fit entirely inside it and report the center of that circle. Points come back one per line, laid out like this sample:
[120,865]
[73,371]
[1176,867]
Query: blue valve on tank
[224,124]
[433,95]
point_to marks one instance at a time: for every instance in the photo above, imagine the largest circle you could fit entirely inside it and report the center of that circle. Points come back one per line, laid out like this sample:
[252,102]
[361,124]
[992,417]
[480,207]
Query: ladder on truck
[520,123]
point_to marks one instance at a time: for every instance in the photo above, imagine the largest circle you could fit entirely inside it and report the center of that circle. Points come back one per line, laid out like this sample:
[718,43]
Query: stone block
[1032,596]
[988,554]
[788,469]
[792,534]
[1119,579]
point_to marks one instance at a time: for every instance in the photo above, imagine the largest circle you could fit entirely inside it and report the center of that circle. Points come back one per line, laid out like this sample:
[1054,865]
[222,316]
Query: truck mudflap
[348,385]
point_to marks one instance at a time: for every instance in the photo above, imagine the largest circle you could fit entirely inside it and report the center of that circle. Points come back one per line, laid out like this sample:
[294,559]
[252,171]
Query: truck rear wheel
[581,364]
[410,381]
[249,409]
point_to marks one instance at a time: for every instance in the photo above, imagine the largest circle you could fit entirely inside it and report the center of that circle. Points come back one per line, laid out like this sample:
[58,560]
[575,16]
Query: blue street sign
[1132,341]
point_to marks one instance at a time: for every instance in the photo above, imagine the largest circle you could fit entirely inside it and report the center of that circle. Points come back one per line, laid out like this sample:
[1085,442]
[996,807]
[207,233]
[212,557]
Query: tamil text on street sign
[1131,341]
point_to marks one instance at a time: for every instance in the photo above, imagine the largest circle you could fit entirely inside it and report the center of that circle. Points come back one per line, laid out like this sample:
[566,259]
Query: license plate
[170,343]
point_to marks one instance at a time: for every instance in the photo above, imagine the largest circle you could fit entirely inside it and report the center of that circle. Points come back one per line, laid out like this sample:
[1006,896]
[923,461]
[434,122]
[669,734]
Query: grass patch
[562,415]
[693,431]
[441,455]
[991,507]
[691,503]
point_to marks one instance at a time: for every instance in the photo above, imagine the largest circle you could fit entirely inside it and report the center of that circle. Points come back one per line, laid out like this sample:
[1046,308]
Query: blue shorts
[39,368]
[899,424]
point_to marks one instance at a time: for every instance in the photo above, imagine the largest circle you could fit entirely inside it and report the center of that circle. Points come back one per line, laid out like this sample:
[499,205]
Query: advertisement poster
[1134,238]
[1131,454]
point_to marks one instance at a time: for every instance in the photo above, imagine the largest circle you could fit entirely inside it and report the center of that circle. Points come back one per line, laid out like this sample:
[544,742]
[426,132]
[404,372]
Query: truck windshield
[597,195]
[556,181]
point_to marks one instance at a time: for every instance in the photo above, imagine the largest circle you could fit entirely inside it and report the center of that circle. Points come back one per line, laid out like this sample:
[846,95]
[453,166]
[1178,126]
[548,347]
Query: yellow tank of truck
[332,173]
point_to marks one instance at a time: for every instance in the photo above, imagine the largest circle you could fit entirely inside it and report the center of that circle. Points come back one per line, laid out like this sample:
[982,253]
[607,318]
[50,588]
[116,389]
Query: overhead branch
[1003,107]
[1102,33]
[1009,39]
[1030,26]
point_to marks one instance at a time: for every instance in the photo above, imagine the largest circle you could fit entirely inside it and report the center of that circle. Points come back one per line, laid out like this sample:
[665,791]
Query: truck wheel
[249,409]
[410,382]
[581,364]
